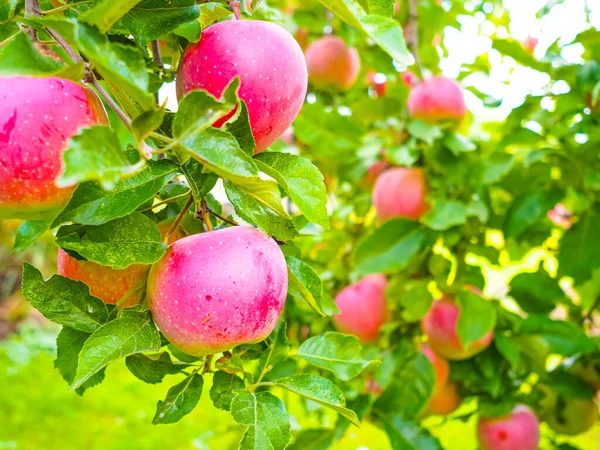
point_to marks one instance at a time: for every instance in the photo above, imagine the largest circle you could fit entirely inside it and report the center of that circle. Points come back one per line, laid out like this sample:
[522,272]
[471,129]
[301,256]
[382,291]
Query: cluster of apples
[211,291]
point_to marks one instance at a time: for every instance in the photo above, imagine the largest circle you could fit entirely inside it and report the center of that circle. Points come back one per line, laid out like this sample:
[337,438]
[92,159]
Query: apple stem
[219,216]
[203,214]
[413,35]
[178,220]
[235,7]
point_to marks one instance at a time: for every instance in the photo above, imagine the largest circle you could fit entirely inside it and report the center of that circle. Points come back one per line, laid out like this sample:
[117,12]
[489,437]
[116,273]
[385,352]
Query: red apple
[409,79]
[301,37]
[437,99]
[268,61]
[363,308]
[37,118]
[108,284]
[215,290]
[440,365]
[373,172]
[519,430]
[440,327]
[377,82]
[331,64]
[401,192]
[444,400]
[530,44]
[561,216]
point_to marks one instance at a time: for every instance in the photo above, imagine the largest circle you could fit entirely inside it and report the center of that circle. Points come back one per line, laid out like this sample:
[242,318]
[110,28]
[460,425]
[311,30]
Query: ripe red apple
[363,308]
[37,118]
[377,82]
[436,99]
[373,172]
[439,325]
[519,430]
[215,290]
[331,64]
[401,192]
[108,284]
[270,65]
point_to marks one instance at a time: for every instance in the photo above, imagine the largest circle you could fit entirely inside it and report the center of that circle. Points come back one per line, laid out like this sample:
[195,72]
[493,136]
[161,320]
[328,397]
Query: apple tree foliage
[491,188]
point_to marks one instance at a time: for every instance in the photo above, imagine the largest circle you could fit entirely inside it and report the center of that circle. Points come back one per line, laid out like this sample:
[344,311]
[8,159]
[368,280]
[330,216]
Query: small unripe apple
[444,400]
[363,308]
[270,65]
[436,99]
[401,192]
[440,326]
[519,430]
[331,64]
[37,118]
[108,284]
[215,290]
[571,416]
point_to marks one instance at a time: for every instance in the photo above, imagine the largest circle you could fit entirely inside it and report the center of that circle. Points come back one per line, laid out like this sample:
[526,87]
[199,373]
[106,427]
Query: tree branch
[219,216]
[178,220]
[412,28]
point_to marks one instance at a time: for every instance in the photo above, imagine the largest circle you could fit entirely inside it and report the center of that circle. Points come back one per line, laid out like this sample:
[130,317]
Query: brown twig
[203,213]
[235,7]
[178,220]
[112,103]
[412,38]
[219,216]
[158,58]
[32,8]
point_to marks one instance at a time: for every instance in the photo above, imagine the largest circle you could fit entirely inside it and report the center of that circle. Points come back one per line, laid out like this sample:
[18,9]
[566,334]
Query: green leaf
[124,336]
[146,123]
[152,368]
[241,129]
[415,300]
[105,14]
[180,400]
[496,166]
[223,387]
[120,65]
[390,247]
[304,283]
[267,421]
[7,10]
[320,390]
[515,50]
[445,215]
[301,180]
[92,205]
[407,435]
[424,131]
[18,56]
[536,292]
[151,19]
[385,31]
[95,154]
[219,152]
[64,301]
[255,208]
[527,210]
[579,252]
[476,319]
[198,110]
[200,181]
[382,7]
[564,338]
[29,232]
[457,143]
[336,352]
[68,345]
[134,239]
[211,12]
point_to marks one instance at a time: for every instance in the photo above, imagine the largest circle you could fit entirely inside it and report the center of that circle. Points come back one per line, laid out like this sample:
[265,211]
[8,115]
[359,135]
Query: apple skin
[401,192]
[215,290]
[331,64]
[440,327]
[444,400]
[106,283]
[519,430]
[440,365]
[436,99]
[373,172]
[39,115]
[363,308]
[270,65]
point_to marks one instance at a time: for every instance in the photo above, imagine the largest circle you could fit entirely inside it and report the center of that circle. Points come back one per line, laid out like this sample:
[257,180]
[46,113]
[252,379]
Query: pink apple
[270,65]
[215,290]
[519,430]
[401,192]
[37,118]
[444,400]
[440,365]
[363,308]
[377,82]
[331,64]
[373,172]
[561,216]
[437,99]
[440,327]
